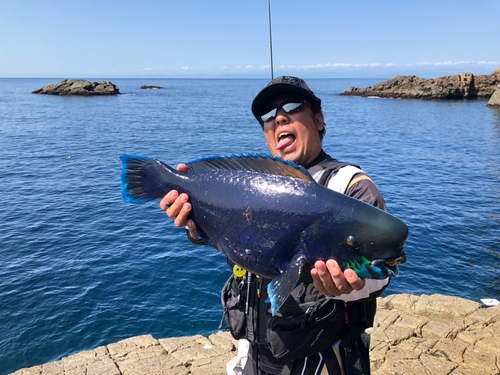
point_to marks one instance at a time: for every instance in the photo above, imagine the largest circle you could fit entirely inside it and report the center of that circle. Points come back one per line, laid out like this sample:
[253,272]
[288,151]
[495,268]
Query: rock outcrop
[412,335]
[151,87]
[79,87]
[495,99]
[459,86]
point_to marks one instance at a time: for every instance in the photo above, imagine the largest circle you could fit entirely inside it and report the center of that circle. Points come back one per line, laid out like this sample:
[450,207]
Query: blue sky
[230,38]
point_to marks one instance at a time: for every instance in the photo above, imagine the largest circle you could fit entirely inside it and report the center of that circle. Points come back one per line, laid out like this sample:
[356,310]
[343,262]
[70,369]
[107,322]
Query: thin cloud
[456,63]
[341,65]
[342,68]
[327,66]
[338,65]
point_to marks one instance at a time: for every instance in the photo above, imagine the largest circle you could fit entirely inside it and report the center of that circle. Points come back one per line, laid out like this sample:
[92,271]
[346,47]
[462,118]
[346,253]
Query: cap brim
[269,93]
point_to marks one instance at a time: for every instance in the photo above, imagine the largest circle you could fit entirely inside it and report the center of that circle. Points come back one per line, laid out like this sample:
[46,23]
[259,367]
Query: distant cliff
[458,86]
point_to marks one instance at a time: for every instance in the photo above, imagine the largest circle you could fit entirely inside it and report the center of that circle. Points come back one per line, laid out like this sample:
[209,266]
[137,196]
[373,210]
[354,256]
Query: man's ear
[319,120]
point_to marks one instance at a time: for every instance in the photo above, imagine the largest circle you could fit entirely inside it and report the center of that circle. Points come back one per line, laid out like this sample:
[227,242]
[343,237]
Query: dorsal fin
[252,163]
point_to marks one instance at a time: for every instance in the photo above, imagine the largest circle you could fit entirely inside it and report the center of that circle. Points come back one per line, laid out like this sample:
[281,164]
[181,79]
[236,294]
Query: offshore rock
[412,335]
[495,99]
[151,87]
[459,86]
[79,87]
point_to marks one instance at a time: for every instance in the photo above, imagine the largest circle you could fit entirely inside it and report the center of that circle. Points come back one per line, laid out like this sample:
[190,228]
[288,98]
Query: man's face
[294,136]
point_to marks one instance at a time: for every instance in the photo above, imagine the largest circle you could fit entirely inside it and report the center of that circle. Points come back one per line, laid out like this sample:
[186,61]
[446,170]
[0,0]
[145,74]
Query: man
[292,120]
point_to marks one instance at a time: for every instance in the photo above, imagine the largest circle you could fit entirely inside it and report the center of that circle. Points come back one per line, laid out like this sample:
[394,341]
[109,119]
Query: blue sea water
[80,268]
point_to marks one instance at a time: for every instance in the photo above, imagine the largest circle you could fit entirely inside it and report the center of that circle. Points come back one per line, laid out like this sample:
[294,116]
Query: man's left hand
[329,279]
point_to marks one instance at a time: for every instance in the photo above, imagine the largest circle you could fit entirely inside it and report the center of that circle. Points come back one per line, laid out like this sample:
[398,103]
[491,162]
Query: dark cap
[282,86]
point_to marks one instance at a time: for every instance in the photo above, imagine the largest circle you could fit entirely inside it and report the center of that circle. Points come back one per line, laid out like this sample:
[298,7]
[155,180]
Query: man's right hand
[177,207]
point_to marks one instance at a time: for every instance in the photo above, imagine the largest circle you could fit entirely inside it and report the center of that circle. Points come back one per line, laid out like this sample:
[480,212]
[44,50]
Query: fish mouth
[382,268]
[391,263]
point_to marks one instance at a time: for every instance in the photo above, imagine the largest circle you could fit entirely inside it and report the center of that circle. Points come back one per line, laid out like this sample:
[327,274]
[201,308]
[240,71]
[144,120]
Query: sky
[231,38]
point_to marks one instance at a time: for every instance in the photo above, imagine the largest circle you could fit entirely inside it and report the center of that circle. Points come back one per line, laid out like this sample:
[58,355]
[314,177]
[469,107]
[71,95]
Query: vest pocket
[233,298]
[313,330]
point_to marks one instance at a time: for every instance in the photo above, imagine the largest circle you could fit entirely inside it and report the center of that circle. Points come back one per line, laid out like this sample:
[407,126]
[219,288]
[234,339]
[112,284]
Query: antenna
[270,38]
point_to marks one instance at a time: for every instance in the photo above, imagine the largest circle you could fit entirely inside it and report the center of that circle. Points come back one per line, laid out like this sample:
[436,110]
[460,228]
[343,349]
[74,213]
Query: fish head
[378,248]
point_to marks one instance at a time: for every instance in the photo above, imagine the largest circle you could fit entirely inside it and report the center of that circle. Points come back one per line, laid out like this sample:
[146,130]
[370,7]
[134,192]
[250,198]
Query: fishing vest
[322,171]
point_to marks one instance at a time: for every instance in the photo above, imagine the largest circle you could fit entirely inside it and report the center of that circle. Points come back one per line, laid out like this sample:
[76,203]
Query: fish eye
[352,241]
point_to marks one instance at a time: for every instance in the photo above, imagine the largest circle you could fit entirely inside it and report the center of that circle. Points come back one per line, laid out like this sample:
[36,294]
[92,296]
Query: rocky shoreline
[425,334]
[453,87]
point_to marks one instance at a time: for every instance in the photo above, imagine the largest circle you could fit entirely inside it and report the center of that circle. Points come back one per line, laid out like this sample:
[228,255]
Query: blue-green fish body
[270,217]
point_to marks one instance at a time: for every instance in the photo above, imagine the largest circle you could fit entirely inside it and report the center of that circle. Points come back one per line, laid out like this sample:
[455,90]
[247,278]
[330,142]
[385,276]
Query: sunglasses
[290,105]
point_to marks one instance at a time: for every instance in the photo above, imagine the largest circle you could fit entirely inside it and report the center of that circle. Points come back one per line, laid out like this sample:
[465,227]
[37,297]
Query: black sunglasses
[289,105]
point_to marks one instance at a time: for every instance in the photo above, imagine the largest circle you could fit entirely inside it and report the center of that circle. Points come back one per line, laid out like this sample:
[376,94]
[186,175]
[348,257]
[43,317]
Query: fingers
[330,280]
[354,280]
[168,199]
[191,226]
[177,207]
[183,168]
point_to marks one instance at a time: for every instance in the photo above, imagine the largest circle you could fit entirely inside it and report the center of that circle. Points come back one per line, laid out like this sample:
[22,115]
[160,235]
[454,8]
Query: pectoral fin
[280,288]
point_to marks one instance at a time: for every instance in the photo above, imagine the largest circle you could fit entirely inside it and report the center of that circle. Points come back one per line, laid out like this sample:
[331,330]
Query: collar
[322,156]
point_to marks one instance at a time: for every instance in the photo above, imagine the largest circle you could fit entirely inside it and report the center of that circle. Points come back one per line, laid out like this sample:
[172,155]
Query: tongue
[285,142]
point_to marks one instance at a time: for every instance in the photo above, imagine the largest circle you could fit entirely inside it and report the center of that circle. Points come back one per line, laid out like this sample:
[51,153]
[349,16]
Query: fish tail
[143,178]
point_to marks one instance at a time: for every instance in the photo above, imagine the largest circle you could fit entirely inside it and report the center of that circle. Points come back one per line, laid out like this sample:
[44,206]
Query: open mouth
[400,260]
[381,268]
[285,140]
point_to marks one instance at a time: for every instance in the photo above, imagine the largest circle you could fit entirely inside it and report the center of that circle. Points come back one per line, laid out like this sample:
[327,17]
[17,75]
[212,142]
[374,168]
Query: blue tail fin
[133,182]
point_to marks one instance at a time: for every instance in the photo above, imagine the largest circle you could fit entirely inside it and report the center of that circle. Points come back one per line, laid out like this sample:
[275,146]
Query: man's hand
[329,279]
[177,207]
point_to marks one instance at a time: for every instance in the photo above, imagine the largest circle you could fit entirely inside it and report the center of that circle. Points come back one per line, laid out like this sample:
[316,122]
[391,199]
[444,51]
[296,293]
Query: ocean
[80,268]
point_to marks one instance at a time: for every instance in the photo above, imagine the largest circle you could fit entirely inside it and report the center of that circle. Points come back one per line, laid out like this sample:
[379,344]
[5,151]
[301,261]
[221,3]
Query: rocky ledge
[80,88]
[459,86]
[413,335]
[495,99]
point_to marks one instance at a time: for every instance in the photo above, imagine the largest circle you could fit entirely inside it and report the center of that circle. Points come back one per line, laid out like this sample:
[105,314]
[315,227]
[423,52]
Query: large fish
[270,217]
